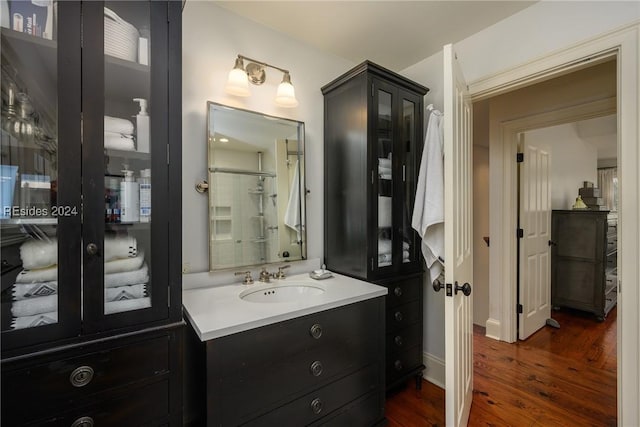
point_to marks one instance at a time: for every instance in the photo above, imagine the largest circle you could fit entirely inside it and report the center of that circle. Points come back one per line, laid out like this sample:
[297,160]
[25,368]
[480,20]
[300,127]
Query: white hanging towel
[292,217]
[428,209]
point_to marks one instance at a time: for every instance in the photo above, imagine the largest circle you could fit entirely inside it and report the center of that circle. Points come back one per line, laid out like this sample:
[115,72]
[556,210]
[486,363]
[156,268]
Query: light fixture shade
[238,82]
[286,94]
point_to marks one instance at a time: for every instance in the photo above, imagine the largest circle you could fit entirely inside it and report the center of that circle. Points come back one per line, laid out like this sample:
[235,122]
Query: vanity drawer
[313,406]
[403,291]
[365,411]
[50,384]
[403,339]
[342,327]
[403,316]
[129,409]
[401,363]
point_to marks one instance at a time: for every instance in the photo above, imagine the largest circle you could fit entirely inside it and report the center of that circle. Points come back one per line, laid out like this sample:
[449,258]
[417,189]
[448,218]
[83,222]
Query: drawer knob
[92,249]
[398,340]
[316,405]
[316,331]
[83,422]
[81,376]
[316,368]
[398,365]
[397,291]
[398,316]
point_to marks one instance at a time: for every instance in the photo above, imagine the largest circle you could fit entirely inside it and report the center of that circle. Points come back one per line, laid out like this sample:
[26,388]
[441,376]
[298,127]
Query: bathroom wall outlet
[186,267]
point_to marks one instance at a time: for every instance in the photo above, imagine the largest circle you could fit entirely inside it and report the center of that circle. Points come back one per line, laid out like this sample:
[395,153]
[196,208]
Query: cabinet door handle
[81,376]
[92,249]
[397,291]
[398,316]
[316,331]
[316,405]
[83,422]
[316,368]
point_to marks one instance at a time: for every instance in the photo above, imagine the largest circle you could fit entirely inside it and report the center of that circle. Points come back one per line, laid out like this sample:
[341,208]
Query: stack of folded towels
[385,256]
[118,134]
[35,293]
[384,168]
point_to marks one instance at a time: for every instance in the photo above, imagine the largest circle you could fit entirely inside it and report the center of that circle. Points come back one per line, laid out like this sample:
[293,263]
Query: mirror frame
[302,186]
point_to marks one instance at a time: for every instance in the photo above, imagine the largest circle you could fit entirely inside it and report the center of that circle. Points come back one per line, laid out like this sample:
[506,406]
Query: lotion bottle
[142,126]
[129,197]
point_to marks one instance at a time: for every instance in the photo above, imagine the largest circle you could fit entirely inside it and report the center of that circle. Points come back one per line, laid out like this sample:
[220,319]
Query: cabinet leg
[418,379]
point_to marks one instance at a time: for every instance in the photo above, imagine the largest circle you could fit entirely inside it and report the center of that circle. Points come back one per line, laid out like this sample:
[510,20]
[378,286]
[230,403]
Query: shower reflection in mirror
[256,188]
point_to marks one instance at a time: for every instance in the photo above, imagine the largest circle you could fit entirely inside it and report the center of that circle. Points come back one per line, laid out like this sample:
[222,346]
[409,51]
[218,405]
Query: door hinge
[520,233]
[167,154]
[520,157]
[519,308]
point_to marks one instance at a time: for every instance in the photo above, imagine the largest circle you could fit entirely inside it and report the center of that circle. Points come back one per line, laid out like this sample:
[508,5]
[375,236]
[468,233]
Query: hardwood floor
[557,377]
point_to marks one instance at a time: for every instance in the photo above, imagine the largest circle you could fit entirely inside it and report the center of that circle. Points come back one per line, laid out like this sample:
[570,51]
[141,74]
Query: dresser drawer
[313,406]
[342,327]
[128,409]
[365,411]
[403,291]
[403,339]
[403,362]
[403,316]
[51,384]
[612,261]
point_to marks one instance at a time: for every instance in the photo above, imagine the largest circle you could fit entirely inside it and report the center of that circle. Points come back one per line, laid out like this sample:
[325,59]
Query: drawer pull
[398,340]
[316,368]
[81,376]
[316,331]
[398,316]
[316,405]
[83,422]
[397,291]
[398,365]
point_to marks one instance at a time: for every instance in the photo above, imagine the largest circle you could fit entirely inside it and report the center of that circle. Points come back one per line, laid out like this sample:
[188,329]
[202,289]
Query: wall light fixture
[239,78]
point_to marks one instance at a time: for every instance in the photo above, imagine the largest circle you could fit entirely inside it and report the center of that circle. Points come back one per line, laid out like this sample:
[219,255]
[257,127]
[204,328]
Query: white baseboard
[434,373]
[493,329]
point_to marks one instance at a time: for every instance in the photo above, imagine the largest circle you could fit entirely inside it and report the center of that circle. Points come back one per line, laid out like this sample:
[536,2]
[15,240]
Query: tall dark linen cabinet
[91,303]
[373,135]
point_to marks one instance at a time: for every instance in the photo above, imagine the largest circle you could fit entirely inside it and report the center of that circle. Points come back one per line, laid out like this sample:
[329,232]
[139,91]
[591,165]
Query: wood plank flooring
[557,377]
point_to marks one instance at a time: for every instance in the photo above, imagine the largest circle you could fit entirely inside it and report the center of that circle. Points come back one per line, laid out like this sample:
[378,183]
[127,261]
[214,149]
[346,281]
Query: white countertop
[218,311]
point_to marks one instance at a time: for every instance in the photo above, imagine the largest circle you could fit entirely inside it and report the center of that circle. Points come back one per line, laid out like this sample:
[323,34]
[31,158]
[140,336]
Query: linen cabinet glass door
[131,180]
[385,129]
[40,174]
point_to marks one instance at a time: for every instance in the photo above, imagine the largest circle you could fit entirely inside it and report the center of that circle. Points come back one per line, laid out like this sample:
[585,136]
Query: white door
[458,221]
[535,252]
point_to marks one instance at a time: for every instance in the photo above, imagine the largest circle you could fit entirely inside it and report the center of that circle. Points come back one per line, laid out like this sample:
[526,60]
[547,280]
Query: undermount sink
[284,292]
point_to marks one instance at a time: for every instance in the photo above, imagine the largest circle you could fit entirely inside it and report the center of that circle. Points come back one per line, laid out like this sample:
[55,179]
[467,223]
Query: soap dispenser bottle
[142,126]
[129,197]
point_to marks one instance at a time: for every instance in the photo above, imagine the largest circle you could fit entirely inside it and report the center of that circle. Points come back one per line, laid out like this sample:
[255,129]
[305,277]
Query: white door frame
[624,45]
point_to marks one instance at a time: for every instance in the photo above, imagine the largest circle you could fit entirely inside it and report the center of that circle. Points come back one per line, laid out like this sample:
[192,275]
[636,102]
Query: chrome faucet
[248,280]
[265,276]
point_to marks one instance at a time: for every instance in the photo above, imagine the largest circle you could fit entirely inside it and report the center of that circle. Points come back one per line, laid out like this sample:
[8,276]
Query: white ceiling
[395,34]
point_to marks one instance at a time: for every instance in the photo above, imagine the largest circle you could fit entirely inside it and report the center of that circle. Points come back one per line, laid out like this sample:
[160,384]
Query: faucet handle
[280,273]
[248,280]
[265,276]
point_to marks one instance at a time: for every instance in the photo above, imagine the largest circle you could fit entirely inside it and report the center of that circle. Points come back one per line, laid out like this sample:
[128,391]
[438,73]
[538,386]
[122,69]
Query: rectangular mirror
[256,188]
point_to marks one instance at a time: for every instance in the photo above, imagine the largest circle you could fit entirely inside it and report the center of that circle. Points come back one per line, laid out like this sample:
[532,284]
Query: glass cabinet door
[129,146]
[385,128]
[40,173]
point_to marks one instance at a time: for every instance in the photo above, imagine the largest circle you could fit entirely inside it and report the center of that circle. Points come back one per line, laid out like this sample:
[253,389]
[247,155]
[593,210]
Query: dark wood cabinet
[584,261]
[373,137]
[310,370]
[83,284]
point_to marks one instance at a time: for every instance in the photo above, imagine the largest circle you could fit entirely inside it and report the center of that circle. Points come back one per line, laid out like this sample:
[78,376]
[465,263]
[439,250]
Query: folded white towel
[36,320]
[33,306]
[384,246]
[117,141]
[126,305]
[122,293]
[384,264]
[33,290]
[385,176]
[388,257]
[120,247]
[127,278]
[124,264]
[39,253]
[384,211]
[117,125]
[383,170]
[384,163]
[50,274]
[38,276]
